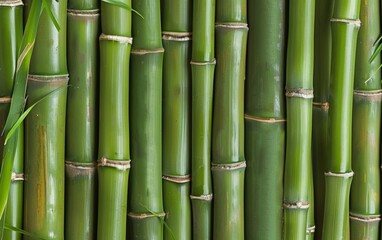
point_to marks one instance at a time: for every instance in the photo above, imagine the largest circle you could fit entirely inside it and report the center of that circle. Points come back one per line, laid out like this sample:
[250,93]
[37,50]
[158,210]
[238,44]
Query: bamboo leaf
[122,5]
[377,50]
[26,233]
[48,9]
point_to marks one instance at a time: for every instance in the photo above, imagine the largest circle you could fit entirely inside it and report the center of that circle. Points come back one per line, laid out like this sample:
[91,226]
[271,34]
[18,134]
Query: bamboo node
[146,51]
[299,93]
[177,36]
[264,120]
[341,175]
[311,229]
[234,25]
[323,105]
[122,165]
[213,62]
[296,205]
[48,78]
[177,179]
[355,22]
[375,95]
[83,13]
[364,218]
[11,3]
[5,99]
[145,215]
[17,177]
[79,169]
[115,38]
[228,166]
[204,197]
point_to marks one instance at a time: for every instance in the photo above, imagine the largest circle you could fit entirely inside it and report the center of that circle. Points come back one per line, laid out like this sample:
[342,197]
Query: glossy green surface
[231,11]
[176,15]
[116,20]
[83,4]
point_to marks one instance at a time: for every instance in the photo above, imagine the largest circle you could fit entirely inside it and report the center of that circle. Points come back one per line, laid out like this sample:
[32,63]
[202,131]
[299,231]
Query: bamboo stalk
[322,52]
[45,125]
[114,131]
[338,176]
[364,206]
[11,28]
[299,94]
[82,116]
[228,163]
[145,203]
[265,117]
[202,67]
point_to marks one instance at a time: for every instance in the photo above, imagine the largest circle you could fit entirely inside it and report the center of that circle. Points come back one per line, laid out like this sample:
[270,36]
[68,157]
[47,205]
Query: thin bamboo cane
[114,131]
[176,27]
[11,28]
[322,51]
[45,127]
[145,203]
[299,94]
[338,175]
[228,163]
[265,120]
[202,66]
[364,205]
[82,116]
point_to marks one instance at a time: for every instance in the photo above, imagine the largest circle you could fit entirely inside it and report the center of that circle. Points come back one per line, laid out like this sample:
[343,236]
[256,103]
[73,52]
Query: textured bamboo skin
[365,189]
[299,85]
[45,130]
[145,202]
[322,53]
[176,139]
[337,186]
[11,28]
[264,100]
[228,120]
[202,67]
[82,121]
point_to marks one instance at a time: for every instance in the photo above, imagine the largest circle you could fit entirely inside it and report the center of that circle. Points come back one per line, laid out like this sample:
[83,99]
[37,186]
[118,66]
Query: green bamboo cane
[176,27]
[11,28]
[364,205]
[45,127]
[81,138]
[228,163]
[114,134]
[338,175]
[145,202]
[265,120]
[299,94]
[322,51]
[202,66]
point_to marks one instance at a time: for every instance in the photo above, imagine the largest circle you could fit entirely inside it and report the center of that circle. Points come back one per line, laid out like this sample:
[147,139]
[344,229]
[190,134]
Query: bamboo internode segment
[146,215]
[121,39]
[264,120]
[17,177]
[84,13]
[177,179]
[364,218]
[204,197]
[323,105]
[11,3]
[299,93]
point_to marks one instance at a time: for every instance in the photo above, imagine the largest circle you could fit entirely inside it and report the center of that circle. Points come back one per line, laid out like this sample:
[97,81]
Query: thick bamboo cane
[82,120]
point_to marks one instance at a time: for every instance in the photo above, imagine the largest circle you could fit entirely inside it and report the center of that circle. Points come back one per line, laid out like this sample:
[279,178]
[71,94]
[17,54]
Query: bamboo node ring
[80,165]
[311,230]
[11,3]
[355,22]
[145,215]
[213,62]
[264,120]
[296,205]
[205,197]
[364,218]
[5,99]
[147,51]
[83,13]
[233,25]
[323,105]
[341,175]
[177,179]
[177,36]
[50,78]
[115,38]
[17,177]
[228,166]
[299,93]
[118,164]
[375,95]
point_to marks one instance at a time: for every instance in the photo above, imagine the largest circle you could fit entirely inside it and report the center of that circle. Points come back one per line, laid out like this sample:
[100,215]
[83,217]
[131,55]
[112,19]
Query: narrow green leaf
[122,5]
[26,233]
[53,18]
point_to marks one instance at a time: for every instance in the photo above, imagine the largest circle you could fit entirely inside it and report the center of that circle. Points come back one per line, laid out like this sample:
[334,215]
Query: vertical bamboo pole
[265,120]
[45,128]
[146,203]
[364,203]
[176,30]
[228,163]
[299,94]
[338,175]
[82,116]
[202,67]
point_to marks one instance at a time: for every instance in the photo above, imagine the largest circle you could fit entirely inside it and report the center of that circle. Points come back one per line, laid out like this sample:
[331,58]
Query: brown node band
[17,177]
[355,22]
[264,120]
[118,164]
[311,230]
[83,13]
[232,25]
[373,95]
[299,93]
[145,215]
[50,78]
[146,51]
[177,36]
[5,99]
[323,105]
[11,3]
[364,218]
[213,62]
[341,175]
[296,205]
[205,197]
[115,38]
[177,179]
[228,166]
